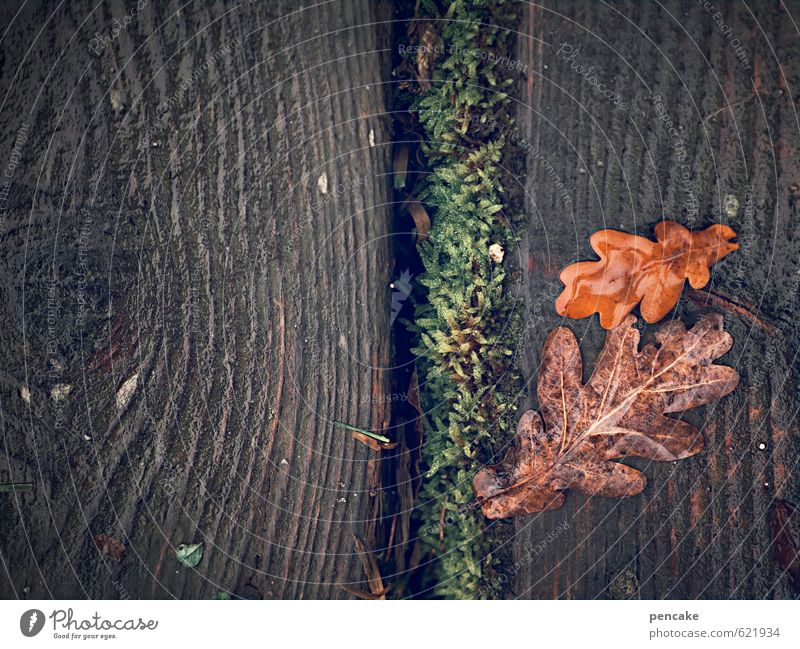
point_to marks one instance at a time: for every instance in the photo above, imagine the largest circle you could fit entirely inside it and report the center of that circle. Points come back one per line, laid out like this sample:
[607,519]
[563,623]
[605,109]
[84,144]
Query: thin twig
[735,104]
[722,302]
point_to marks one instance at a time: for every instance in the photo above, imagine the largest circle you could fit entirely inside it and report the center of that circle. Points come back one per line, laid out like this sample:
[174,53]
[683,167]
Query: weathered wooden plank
[201,204]
[702,527]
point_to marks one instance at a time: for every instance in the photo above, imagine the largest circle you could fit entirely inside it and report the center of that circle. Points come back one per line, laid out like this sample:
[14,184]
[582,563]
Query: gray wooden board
[167,220]
[701,529]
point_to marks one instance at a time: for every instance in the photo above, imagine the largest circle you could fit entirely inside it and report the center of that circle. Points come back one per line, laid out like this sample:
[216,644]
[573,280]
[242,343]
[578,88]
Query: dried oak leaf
[619,412]
[109,546]
[421,219]
[633,269]
[376,587]
[426,52]
[372,443]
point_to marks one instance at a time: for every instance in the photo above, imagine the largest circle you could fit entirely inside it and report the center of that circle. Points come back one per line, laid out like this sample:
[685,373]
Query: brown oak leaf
[620,412]
[633,269]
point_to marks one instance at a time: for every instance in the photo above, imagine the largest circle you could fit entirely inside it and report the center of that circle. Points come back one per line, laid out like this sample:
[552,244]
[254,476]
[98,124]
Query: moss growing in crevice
[467,325]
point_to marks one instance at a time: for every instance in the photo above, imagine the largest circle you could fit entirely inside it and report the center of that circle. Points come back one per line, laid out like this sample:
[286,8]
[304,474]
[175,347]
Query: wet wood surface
[697,122]
[194,241]
[195,264]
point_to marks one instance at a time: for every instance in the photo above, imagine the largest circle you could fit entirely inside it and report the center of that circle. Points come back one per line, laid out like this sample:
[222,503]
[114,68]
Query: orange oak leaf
[633,269]
[620,412]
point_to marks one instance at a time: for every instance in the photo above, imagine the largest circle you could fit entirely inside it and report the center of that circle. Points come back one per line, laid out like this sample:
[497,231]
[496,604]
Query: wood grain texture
[701,529]
[168,221]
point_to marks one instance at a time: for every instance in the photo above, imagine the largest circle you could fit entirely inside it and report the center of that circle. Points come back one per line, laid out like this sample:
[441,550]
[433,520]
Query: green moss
[467,324]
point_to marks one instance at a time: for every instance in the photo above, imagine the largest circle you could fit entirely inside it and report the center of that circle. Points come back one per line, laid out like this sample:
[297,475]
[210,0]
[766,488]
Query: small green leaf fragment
[368,433]
[189,554]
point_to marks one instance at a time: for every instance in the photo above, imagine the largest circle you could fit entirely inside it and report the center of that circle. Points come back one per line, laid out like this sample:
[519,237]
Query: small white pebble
[25,393]
[86,438]
[371,137]
[117,102]
[284,461]
[60,391]
[730,205]
[496,253]
[126,391]
[342,500]
[322,183]
[762,446]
